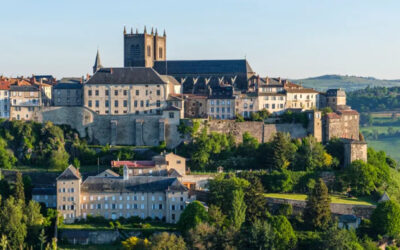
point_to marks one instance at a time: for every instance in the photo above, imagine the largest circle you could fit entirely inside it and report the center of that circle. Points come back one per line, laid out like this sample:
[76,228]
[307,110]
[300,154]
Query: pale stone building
[135,90]
[68,92]
[161,165]
[113,196]
[25,100]
[4,98]
[304,99]
[246,104]
[221,103]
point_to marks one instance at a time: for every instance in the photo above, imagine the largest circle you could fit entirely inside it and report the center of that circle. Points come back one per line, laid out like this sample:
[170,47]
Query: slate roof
[128,75]
[335,92]
[199,67]
[44,191]
[95,184]
[24,88]
[71,173]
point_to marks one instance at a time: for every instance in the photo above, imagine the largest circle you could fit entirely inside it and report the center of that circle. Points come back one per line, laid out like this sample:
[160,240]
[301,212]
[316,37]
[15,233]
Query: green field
[334,198]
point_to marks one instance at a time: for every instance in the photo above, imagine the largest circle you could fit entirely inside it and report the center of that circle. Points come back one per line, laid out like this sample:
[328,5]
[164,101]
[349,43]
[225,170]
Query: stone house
[68,92]
[4,97]
[113,196]
[137,90]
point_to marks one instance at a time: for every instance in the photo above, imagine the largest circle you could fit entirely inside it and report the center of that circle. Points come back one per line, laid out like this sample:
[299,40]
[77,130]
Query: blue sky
[291,39]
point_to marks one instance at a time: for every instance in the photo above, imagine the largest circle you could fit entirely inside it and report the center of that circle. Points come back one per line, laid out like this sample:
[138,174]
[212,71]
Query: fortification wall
[363,211]
[128,129]
[262,132]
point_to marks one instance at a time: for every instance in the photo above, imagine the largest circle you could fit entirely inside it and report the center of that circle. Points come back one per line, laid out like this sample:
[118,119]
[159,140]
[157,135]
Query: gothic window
[148,51]
[160,53]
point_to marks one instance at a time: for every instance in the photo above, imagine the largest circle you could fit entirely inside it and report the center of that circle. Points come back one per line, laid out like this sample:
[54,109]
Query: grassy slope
[335,198]
[345,82]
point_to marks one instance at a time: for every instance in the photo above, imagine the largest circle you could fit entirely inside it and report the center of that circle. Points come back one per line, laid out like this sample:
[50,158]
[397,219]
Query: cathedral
[149,49]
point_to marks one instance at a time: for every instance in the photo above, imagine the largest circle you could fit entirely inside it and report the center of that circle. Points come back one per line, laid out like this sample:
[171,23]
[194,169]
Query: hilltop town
[206,148]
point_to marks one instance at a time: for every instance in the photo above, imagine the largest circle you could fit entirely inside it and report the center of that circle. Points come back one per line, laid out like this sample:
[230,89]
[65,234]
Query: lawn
[334,198]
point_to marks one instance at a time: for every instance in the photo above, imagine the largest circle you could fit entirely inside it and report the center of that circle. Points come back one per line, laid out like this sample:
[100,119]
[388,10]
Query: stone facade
[142,50]
[130,129]
[68,92]
[341,124]
[112,196]
[354,150]
[195,106]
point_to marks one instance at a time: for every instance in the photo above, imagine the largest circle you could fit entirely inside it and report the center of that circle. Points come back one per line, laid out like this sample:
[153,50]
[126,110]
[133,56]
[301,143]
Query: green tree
[238,212]
[339,239]
[283,151]
[312,155]
[167,241]
[34,222]
[7,159]
[27,187]
[284,236]
[194,214]
[259,235]
[19,192]
[202,237]
[335,148]
[5,190]
[135,243]
[386,219]
[76,163]
[221,190]
[12,222]
[59,159]
[317,212]
[42,238]
[254,199]
[216,217]
[361,177]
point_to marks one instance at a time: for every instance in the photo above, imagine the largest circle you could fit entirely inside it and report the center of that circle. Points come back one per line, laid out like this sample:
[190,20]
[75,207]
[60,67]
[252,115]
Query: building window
[125,103]
[96,92]
[158,103]
[115,92]
[160,53]
[135,103]
[148,51]
[158,92]
[137,92]
[141,103]
[171,115]
[90,103]
[116,103]
[106,92]
[106,104]
[97,103]
[125,92]
[147,103]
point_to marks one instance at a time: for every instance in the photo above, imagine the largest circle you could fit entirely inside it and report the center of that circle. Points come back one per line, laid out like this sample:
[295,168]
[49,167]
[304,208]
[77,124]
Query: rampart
[130,129]
[363,211]
[262,132]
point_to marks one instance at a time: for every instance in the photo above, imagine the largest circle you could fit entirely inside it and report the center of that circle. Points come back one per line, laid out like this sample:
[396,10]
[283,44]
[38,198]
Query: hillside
[348,83]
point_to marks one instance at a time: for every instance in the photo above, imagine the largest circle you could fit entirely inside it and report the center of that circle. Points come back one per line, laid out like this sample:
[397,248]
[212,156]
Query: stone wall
[354,150]
[363,211]
[130,129]
[262,132]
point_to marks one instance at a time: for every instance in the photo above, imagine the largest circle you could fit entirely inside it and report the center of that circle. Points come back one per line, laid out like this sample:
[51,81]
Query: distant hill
[348,83]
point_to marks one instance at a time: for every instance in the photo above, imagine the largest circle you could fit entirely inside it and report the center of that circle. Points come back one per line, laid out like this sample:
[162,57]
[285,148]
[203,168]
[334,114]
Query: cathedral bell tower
[142,49]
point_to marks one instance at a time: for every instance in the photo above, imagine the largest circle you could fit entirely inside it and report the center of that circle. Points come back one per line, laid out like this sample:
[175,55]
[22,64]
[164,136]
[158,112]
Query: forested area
[53,147]
[373,99]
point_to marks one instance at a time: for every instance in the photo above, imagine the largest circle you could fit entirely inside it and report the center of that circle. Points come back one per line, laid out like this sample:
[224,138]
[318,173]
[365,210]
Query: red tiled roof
[133,164]
[333,116]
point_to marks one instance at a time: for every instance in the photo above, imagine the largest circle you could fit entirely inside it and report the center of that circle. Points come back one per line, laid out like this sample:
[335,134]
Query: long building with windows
[150,194]
[136,90]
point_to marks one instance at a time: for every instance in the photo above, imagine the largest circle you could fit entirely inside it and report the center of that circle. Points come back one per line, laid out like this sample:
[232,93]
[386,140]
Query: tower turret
[124,30]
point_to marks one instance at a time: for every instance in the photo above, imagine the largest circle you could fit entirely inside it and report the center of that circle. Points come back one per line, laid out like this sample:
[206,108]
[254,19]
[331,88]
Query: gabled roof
[133,164]
[71,173]
[133,184]
[108,173]
[129,75]
[203,67]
